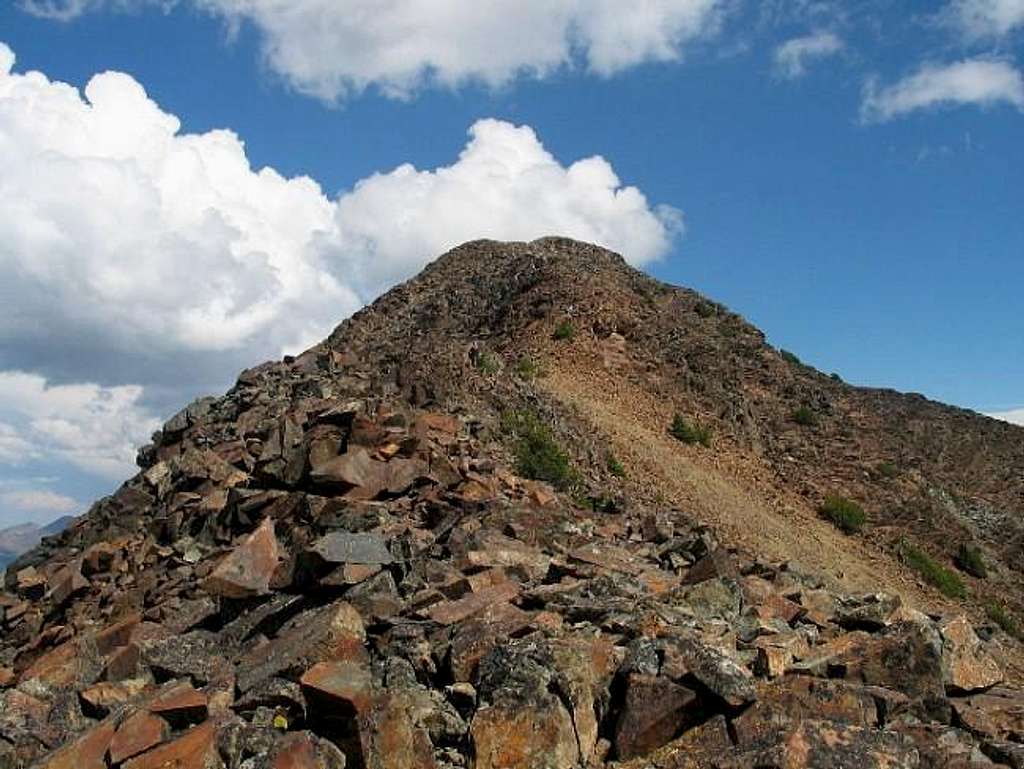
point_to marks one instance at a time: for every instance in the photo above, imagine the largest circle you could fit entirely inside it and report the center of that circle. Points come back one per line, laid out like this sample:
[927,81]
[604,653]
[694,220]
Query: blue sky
[846,176]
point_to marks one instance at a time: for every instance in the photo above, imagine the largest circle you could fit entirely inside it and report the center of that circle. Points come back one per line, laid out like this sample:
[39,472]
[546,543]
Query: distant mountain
[15,540]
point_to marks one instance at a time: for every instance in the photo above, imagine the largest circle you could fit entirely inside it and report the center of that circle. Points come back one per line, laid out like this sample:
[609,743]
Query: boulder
[247,570]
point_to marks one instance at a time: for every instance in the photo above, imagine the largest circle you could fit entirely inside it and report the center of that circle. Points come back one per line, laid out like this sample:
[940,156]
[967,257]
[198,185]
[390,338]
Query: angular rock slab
[966,665]
[246,571]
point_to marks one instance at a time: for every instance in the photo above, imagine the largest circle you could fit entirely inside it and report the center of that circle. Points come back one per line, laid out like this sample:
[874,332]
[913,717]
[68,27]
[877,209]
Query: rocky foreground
[325,568]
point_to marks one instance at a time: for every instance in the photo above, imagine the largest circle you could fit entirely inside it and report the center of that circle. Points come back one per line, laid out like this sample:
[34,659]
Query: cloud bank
[980,82]
[332,50]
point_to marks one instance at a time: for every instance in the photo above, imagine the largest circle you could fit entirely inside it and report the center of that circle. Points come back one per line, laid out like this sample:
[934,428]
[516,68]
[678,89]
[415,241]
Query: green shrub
[564,331]
[999,615]
[488,364]
[969,559]
[527,368]
[888,470]
[705,309]
[805,417]
[947,582]
[597,504]
[846,514]
[835,377]
[538,455]
[615,467]
[687,432]
[790,358]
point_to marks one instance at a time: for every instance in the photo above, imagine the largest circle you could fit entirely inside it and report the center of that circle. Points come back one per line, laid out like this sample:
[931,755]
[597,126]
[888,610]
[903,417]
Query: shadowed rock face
[339,562]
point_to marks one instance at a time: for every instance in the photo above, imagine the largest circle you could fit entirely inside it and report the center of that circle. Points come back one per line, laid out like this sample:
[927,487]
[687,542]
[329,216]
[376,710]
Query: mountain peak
[533,491]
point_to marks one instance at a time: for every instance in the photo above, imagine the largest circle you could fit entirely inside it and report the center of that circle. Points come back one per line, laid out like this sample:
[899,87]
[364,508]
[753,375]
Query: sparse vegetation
[538,455]
[934,573]
[615,467]
[690,432]
[969,559]
[835,377]
[564,331]
[488,363]
[705,309]
[596,503]
[888,470]
[998,614]
[846,514]
[805,417]
[790,358]
[527,367]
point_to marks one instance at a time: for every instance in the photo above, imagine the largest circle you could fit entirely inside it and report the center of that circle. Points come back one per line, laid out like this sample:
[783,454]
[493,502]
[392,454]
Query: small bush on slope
[687,432]
[846,514]
[947,582]
[538,455]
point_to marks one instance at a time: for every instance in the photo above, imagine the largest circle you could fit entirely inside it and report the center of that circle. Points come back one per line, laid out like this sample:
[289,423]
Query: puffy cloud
[1015,416]
[792,56]
[333,48]
[96,429]
[985,18]
[31,503]
[981,82]
[133,252]
[504,185]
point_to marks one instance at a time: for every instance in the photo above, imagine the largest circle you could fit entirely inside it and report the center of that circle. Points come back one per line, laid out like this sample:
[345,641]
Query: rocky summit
[533,509]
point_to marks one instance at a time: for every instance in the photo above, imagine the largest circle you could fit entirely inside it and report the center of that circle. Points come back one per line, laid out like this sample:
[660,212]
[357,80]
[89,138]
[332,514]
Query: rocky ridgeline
[313,572]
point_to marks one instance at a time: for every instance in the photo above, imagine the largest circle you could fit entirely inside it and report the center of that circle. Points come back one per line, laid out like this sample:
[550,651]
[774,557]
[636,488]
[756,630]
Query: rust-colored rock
[180,704]
[137,734]
[247,570]
[450,612]
[655,710]
[85,752]
[195,749]
[967,666]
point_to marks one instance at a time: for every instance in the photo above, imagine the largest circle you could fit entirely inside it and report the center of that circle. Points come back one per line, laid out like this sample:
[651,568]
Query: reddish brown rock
[450,612]
[717,563]
[67,582]
[997,713]
[195,749]
[137,733]
[338,686]
[180,704]
[655,710]
[390,739]
[333,632]
[104,697]
[86,752]
[524,736]
[967,666]
[247,570]
[302,750]
[811,744]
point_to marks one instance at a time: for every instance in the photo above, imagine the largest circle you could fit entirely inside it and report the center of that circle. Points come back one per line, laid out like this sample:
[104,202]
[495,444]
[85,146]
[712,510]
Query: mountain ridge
[484,507]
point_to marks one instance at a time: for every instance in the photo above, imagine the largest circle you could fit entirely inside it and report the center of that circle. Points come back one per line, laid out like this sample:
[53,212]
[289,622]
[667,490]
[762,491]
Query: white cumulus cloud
[979,82]
[122,237]
[331,49]
[97,429]
[504,185]
[791,57]
[985,18]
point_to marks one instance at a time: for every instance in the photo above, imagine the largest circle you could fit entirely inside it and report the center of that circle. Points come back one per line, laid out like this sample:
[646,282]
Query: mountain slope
[459,533]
